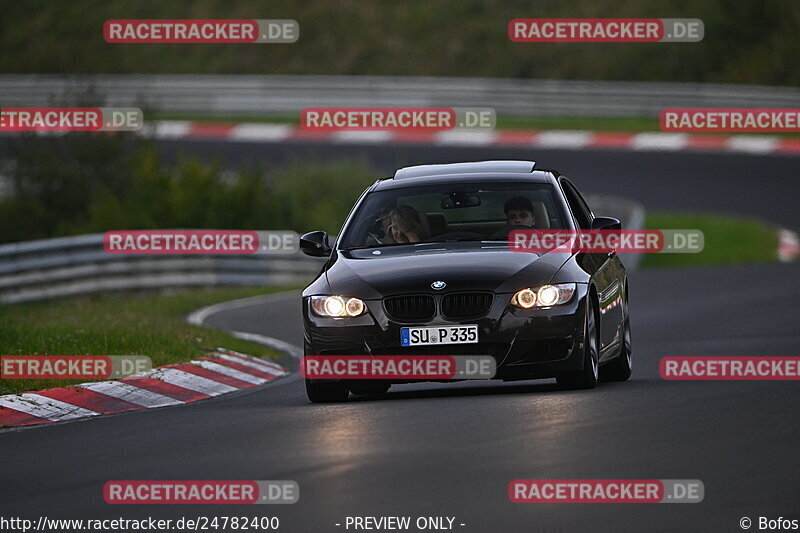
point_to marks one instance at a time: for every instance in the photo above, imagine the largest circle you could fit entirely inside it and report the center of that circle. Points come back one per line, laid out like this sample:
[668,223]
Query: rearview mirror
[315,244]
[458,200]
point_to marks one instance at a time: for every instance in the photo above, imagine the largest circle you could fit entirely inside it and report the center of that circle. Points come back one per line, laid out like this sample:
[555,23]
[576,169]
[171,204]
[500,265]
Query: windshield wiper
[443,241]
[386,245]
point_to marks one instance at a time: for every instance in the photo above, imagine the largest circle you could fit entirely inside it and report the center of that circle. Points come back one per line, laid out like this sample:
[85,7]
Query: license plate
[439,335]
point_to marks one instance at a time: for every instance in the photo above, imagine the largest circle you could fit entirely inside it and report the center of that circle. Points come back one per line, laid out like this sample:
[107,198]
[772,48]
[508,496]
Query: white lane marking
[260,132]
[44,407]
[199,316]
[465,137]
[234,359]
[362,136]
[130,393]
[248,361]
[755,144]
[191,381]
[660,141]
[228,371]
[270,342]
[252,358]
[563,139]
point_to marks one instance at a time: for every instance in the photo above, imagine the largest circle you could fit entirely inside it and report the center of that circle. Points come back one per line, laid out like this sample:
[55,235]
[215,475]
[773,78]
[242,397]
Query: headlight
[337,306]
[544,296]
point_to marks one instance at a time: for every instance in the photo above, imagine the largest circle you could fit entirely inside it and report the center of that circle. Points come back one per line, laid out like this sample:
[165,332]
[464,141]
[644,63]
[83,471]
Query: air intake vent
[414,307]
[464,304]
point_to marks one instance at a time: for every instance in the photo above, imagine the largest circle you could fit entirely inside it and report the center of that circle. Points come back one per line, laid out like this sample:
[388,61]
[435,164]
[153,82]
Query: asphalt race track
[451,450]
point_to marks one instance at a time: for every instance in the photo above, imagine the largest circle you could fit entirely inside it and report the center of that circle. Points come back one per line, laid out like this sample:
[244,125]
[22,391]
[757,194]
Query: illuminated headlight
[544,296]
[337,306]
[525,298]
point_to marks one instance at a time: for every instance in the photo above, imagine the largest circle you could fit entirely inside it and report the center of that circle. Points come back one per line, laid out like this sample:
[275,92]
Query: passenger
[404,225]
[519,211]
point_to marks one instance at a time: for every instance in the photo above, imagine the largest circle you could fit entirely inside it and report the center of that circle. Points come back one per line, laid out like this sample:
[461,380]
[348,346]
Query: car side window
[583,203]
[576,204]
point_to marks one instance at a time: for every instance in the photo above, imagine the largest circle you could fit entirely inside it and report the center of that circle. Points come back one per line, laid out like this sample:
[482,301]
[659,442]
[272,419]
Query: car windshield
[450,213]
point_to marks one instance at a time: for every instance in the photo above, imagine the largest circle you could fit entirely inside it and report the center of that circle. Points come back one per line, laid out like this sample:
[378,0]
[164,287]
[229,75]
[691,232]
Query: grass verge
[728,239]
[127,323]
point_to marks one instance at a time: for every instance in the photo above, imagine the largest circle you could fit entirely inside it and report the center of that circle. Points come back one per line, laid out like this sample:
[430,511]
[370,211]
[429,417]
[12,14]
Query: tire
[619,368]
[587,377]
[369,388]
[326,392]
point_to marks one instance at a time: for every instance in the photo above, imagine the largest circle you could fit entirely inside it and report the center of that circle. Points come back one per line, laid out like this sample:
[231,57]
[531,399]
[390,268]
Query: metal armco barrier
[51,268]
[67,266]
[267,94]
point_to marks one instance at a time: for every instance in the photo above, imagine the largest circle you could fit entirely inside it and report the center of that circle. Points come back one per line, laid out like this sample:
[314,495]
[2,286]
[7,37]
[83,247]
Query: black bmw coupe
[428,250]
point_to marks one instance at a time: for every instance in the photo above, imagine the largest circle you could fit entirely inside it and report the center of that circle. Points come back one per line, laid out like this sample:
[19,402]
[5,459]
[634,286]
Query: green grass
[122,323]
[728,239]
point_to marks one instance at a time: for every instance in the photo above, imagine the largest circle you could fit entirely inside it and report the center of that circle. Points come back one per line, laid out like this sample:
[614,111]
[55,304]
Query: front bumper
[525,343]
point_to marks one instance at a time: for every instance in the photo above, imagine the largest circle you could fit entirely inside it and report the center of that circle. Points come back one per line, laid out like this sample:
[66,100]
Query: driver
[519,211]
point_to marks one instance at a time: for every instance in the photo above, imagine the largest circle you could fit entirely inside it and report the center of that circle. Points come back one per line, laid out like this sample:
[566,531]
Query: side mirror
[315,244]
[606,223]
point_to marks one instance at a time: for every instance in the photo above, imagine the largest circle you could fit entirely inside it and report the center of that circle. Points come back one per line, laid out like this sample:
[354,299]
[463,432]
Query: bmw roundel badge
[438,285]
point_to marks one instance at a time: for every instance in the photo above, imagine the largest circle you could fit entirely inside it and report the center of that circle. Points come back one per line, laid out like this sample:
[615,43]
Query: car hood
[367,276]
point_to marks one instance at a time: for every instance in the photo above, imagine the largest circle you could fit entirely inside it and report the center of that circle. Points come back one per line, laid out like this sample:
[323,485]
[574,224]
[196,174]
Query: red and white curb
[220,372]
[556,139]
[788,245]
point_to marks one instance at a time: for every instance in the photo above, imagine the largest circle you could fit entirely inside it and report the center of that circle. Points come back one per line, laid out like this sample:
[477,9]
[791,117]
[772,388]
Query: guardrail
[287,95]
[51,268]
[67,266]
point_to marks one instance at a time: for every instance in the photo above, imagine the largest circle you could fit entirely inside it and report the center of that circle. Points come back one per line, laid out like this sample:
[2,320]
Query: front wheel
[321,392]
[586,378]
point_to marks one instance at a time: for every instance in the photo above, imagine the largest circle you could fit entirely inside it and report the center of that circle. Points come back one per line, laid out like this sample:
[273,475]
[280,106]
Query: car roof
[521,167]
[470,172]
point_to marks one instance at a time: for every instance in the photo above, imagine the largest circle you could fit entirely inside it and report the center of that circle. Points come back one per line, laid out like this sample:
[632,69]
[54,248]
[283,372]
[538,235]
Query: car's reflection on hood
[373,273]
